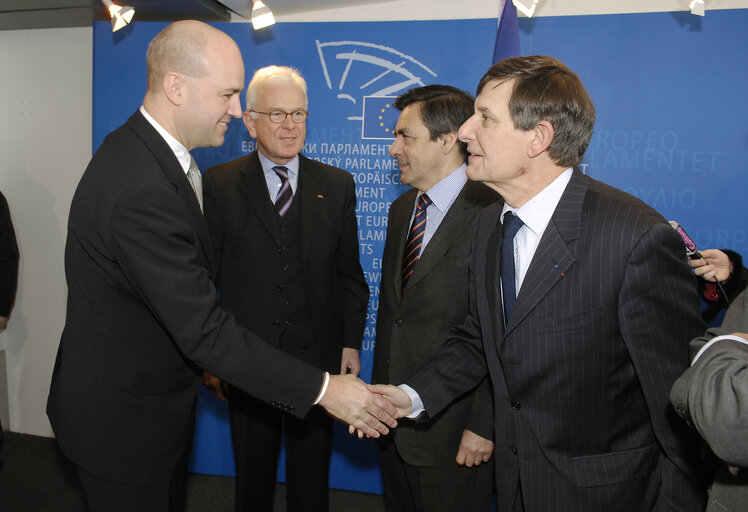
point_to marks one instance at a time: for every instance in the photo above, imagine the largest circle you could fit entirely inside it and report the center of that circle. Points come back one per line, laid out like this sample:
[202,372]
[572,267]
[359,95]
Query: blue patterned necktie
[285,194]
[415,238]
[512,224]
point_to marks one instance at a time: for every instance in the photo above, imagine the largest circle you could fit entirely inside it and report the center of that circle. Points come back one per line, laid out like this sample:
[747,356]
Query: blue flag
[380,117]
[507,35]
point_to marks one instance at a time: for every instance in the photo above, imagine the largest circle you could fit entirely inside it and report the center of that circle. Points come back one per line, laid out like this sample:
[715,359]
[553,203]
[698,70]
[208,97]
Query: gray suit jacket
[712,396]
[412,326]
[581,374]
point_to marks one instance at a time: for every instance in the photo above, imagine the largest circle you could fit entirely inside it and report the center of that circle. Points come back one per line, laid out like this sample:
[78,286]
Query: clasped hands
[370,410]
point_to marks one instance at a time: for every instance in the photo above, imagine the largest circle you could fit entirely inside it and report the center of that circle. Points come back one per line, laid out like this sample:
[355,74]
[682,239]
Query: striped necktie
[285,194]
[196,180]
[415,238]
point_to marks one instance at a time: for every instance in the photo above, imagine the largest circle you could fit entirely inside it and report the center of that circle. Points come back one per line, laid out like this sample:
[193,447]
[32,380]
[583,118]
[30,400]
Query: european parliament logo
[367,77]
[380,117]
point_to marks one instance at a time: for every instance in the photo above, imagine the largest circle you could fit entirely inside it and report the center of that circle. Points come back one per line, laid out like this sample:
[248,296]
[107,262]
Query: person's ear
[542,136]
[174,88]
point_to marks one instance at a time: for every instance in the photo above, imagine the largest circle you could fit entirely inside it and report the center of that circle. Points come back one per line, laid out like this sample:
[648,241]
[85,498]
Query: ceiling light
[261,16]
[526,7]
[697,7]
[121,15]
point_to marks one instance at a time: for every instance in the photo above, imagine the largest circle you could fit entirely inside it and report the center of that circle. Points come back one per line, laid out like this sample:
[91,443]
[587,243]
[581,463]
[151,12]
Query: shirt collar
[537,212]
[267,165]
[181,152]
[444,193]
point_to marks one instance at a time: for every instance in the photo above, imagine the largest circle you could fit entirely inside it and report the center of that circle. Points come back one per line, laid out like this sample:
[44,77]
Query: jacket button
[515,406]
[279,288]
[276,323]
[398,322]
[287,323]
[681,411]
[288,303]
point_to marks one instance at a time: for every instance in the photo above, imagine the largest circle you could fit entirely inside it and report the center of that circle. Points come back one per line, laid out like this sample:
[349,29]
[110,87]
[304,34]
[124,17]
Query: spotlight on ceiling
[121,15]
[697,7]
[526,7]
[261,15]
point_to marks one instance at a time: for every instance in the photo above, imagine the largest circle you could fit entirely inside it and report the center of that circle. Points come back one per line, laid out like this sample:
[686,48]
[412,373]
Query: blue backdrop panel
[354,71]
[671,98]
[669,90]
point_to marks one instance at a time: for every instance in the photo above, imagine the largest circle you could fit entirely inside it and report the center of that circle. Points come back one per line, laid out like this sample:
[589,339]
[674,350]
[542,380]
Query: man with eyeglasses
[285,239]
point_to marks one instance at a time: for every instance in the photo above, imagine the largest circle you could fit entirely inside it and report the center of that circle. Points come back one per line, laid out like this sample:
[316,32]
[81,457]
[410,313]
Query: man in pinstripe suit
[579,325]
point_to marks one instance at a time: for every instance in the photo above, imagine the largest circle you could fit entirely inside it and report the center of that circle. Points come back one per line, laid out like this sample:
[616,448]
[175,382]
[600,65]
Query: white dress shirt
[181,152]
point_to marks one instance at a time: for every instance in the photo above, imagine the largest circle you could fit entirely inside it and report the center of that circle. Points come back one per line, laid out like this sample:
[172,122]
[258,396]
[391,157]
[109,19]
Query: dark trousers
[256,430]
[428,489]
[107,496]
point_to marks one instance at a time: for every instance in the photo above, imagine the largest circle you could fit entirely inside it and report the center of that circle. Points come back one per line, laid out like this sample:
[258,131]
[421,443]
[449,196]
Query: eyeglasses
[278,116]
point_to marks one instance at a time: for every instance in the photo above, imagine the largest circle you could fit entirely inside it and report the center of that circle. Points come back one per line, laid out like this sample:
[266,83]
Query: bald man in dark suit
[143,314]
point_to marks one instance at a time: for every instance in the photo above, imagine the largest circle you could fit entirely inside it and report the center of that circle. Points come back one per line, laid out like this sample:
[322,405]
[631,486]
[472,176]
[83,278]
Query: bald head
[181,48]
[195,76]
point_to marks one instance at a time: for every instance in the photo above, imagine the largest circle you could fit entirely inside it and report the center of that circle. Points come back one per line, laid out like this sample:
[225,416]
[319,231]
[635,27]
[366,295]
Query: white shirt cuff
[324,388]
[717,339]
[416,404]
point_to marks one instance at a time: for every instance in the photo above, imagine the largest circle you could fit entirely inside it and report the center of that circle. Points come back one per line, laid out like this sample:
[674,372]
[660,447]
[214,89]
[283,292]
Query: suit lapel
[454,222]
[175,174]
[554,256]
[312,192]
[253,185]
[493,291]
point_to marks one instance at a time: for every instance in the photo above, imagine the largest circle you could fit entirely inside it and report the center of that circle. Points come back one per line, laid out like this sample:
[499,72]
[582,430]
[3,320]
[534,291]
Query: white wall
[45,143]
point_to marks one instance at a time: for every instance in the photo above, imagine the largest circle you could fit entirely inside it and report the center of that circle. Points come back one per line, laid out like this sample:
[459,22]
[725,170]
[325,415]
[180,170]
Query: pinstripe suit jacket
[581,373]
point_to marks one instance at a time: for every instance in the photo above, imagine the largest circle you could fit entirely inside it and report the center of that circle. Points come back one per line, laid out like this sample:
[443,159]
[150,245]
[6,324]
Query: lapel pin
[320,196]
[562,274]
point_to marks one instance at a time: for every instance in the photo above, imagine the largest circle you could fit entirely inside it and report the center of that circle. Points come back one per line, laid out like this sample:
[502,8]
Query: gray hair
[274,75]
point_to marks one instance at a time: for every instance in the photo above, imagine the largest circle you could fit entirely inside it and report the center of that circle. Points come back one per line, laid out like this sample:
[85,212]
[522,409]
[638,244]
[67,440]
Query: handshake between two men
[370,410]
[367,409]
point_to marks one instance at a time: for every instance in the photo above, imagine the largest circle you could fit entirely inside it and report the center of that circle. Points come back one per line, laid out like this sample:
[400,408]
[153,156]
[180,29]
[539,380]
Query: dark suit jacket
[412,326]
[241,221]
[143,313]
[582,372]
[8,260]
[712,395]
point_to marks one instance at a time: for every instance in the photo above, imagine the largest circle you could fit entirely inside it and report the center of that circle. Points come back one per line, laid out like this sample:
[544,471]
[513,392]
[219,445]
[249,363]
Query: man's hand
[350,361]
[347,399]
[715,266]
[396,397]
[215,385]
[474,449]
[3,322]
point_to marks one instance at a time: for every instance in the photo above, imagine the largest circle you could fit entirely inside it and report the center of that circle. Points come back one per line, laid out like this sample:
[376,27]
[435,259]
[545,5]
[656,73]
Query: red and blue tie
[415,238]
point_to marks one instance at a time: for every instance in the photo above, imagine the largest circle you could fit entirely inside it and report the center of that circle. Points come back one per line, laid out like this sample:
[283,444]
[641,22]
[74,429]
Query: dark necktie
[415,238]
[512,224]
[285,194]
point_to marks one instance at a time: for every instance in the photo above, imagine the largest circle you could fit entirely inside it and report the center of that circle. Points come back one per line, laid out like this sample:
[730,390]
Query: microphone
[691,251]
